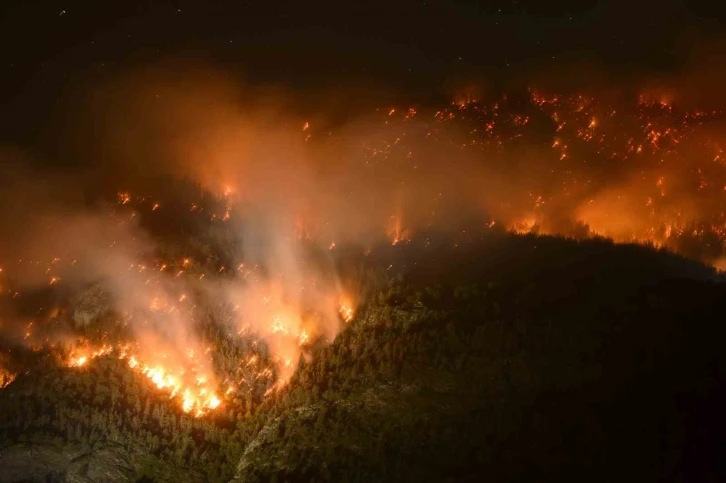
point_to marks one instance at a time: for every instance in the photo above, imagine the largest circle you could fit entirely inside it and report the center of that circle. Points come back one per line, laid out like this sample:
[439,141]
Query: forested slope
[606,370]
[528,359]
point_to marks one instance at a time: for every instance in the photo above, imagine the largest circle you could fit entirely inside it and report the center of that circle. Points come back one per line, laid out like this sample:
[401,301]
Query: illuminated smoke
[297,187]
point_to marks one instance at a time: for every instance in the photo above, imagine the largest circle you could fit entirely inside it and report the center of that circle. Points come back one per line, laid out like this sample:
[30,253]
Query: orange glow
[396,233]
[346,313]
[195,392]
[570,165]
[524,226]
[6,377]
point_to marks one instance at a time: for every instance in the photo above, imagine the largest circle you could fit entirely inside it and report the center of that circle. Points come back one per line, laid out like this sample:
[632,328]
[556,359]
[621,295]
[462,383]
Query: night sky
[413,48]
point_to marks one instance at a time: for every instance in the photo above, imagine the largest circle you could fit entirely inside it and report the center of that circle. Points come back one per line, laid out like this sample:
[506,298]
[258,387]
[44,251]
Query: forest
[503,357]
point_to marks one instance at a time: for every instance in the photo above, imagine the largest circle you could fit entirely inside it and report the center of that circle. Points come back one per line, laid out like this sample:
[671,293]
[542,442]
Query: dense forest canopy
[498,356]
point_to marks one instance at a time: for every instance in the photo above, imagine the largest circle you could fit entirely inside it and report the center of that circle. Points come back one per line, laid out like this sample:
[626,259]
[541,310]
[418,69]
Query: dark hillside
[605,370]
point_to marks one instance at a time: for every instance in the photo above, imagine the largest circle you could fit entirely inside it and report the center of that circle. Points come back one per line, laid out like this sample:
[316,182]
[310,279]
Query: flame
[346,313]
[80,357]
[659,202]
[524,226]
[198,395]
[346,307]
[6,377]
[396,233]
[304,337]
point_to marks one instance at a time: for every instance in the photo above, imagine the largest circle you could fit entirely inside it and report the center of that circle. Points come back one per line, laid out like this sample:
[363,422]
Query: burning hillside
[234,221]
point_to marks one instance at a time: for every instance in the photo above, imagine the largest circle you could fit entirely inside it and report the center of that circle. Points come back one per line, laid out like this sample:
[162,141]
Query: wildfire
[670,175]
[80,357]
[396,233]
[6,377]
[346,312]
[524,226]
[198,397]
[605,176]
[195,392]
[304,337]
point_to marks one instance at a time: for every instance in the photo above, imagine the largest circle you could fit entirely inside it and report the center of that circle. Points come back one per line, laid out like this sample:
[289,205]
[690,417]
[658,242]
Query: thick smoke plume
[629,162]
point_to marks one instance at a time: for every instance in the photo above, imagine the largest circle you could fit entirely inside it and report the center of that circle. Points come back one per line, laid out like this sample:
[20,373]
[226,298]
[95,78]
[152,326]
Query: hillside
[509,359]
[604,377]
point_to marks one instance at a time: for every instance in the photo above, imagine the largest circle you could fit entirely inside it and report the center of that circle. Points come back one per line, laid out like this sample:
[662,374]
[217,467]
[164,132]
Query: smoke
[636,161]
[285,292]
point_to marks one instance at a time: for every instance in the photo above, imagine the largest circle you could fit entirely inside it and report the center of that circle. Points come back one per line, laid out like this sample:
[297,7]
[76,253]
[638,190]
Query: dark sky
[412,46]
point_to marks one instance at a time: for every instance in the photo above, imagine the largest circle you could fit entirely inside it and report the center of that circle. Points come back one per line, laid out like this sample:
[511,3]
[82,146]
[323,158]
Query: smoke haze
[638,162]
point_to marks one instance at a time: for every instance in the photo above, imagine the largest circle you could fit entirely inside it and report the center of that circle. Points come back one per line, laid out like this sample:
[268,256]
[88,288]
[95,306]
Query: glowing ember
[6,377]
